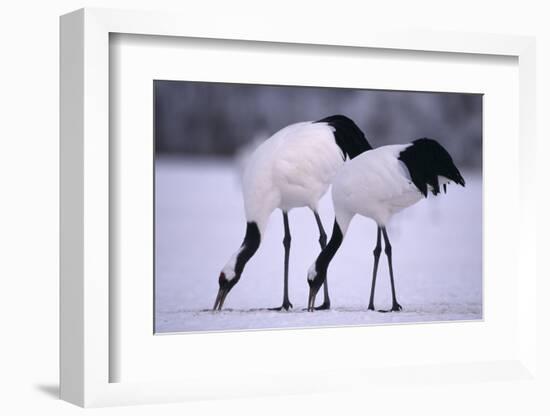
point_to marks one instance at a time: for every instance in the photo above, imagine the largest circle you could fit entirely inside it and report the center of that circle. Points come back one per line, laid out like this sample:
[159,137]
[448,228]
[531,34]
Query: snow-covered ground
[437,250]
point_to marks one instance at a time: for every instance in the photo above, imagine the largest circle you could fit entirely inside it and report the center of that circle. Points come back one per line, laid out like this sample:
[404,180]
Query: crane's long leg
[286,243]
[395,306]
[323,244]
[376,252]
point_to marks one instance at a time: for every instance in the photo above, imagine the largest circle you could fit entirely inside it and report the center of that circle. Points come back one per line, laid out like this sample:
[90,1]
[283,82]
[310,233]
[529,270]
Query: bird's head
[231,273]
[315,279]
[228,278]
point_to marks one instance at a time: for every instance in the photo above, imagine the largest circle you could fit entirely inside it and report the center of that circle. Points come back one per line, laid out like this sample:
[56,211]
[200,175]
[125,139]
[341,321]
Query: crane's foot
[371,307]
[324,307]
[396,307]
[285,306]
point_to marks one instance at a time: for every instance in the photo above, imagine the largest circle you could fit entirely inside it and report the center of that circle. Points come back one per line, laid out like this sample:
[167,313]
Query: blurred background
[216,119]
[204,133]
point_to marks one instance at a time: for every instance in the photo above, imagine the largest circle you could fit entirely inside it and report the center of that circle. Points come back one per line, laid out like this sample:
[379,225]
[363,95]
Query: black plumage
[348,135]
[426,159]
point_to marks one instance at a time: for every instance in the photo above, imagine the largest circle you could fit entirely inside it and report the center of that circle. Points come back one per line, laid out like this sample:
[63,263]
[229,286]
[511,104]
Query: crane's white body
[291,169]
[375,184]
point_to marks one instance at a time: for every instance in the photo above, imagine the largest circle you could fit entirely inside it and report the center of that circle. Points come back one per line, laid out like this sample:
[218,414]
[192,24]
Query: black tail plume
[349,137]
[426,159]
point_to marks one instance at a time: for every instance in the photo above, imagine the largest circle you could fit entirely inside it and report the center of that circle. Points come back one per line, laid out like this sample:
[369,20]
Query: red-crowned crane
[377,184]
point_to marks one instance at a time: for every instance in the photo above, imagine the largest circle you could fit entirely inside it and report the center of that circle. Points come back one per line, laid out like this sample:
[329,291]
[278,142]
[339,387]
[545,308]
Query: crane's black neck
[348,135]
[326,256]
[249,246]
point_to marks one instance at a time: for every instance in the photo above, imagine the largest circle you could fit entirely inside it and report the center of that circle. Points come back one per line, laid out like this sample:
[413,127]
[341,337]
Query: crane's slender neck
[326,256]
[249,246]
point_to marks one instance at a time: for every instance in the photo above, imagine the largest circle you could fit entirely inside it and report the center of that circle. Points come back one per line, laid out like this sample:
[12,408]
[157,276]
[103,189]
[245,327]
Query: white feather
[292,169]
[229,269]
[311,273]
[375,184]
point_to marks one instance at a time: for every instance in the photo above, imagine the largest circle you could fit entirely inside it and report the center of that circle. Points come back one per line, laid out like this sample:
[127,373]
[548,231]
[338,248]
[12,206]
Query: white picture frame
[86,355]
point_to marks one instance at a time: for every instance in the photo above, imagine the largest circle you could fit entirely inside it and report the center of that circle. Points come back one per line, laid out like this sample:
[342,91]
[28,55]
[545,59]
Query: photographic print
[300,207]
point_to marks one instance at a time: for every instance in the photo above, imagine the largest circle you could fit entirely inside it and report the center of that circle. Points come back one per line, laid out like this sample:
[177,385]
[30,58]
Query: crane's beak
[220,299]
[311,300]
